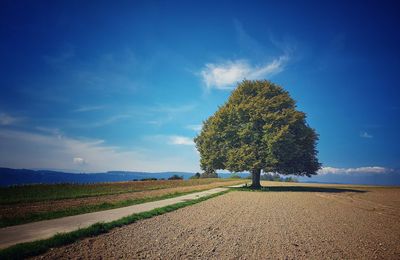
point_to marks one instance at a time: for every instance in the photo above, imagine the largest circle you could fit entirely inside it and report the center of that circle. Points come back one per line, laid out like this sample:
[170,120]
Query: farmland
[22,204]
[295,221]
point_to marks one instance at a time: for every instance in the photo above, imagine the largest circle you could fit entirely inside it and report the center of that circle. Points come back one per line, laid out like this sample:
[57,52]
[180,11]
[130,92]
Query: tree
[196,176]
[209,173]
[258,129]
[175,177]
[234,176]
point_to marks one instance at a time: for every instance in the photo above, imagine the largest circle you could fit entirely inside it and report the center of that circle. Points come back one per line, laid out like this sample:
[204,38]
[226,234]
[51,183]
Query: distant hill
[24,176]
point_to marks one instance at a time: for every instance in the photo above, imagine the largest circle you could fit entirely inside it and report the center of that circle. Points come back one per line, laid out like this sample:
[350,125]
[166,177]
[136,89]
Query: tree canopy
[258,129]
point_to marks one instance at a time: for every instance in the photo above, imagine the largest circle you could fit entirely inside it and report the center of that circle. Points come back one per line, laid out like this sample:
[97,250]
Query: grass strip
[38,216]
[29,249]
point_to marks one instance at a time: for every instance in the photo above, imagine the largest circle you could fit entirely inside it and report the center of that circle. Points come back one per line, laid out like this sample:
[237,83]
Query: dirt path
[258,225]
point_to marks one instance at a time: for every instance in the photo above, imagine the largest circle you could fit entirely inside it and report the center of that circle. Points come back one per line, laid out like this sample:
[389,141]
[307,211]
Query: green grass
[48,192]
[24,250]
[37,216]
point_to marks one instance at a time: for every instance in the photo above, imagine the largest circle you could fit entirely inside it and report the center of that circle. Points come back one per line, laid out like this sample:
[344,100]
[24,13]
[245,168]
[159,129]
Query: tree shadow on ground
[300,189]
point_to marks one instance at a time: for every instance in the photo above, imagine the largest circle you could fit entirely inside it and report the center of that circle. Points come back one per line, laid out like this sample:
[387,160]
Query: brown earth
[311,224]
[21,209]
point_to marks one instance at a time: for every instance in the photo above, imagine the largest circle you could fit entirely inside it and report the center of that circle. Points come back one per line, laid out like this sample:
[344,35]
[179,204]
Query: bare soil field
[302,221]
[138,190]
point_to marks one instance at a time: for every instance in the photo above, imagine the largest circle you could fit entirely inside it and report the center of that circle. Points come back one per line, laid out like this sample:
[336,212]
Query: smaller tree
[149,179]
[235,176]
[175,177]
[276,177]
[267,177]
[291,179]
[209,173]
[196,176]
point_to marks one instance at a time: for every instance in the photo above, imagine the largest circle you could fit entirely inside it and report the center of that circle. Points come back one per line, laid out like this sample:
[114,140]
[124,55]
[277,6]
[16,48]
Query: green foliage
[175,177]
[270,177]
[291,179]
[277,177]
[258,128]
[235,176]
[196,176]
[149,179]
[209,173]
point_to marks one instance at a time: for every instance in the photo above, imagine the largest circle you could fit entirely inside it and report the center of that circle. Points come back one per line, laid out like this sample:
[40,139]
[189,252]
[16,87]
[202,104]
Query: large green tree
[258,129]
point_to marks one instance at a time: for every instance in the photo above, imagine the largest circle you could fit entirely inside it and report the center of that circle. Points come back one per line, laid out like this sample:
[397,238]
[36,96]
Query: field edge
[29,249]
[34,217]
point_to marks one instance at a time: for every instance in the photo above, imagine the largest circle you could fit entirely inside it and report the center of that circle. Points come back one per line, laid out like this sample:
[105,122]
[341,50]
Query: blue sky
[96,86]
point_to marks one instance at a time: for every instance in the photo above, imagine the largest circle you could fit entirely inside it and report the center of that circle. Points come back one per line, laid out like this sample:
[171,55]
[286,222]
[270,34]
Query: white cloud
[194,127]
[20,149]
[368,169]
[180,140]
[79,161]
[365,135]
[225,75]
[7,119]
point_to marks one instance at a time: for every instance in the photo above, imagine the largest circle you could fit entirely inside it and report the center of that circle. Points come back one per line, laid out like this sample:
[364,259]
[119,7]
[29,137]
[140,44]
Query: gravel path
[257,225]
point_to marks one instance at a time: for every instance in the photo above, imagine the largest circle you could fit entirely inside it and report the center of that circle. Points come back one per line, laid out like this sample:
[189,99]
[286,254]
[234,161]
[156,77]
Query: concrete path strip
[45,229]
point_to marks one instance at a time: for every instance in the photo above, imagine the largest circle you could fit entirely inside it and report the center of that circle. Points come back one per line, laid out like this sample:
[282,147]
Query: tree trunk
[255,174]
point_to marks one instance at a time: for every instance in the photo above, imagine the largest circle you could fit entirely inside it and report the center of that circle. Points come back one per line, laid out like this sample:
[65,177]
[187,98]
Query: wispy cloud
[103,122]
[194,127]
[166,113]
[50,131]
[180,140]
[224,75]
[88,108]
[20,149]
[6,119]
[367,169]
[248,43]
[61,57]
[168,109]
[365,135]
[262,61]
[111,120]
